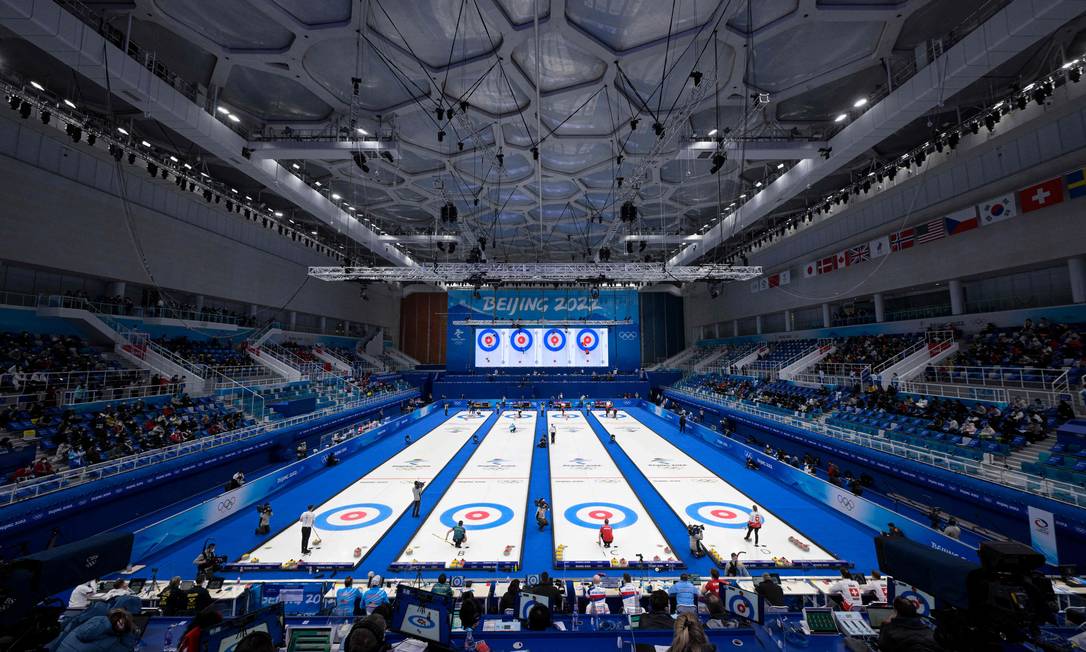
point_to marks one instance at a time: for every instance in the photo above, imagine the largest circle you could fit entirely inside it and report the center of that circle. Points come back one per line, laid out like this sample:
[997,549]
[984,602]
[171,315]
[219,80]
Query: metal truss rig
[572,273]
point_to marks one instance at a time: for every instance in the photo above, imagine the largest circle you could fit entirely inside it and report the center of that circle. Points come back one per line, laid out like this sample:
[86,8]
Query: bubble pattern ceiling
[599,63]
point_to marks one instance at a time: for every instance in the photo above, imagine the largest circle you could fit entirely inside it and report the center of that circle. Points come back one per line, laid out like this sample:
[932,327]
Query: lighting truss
[571,273]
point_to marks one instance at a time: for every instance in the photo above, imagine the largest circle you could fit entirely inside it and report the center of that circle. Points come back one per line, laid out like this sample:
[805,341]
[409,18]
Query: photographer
[541,508]
[264,514]
[697,533]
[416,497]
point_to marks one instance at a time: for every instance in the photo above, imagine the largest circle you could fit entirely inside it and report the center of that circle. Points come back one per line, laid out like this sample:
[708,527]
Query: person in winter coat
[99,613]
[114,632]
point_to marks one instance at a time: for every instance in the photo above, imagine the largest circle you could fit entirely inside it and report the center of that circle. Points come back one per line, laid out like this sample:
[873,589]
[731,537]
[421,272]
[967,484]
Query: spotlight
[460,145]
[641,246]
[229,206]
[535,153]
[825,152]
[714,290]
[953,139]
[74,132]
[152,169]
[207,196]
[501,158]
[990,122]
[619,181]
[14,102]
[45,116]
[387,155]
[117,152]
[633,124]
[452,247]
[24,109]
[441,136]
[246,152]
[1074,74]
[91,138]
[696,76]
[131,158]
[1021,102]
[658,129]
[1039,95]
[464,106]
[629,247]
[939,146]
[449,113]
[440,112]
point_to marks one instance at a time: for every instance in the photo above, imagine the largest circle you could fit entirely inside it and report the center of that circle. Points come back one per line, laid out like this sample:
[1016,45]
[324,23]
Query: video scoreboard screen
[541,347]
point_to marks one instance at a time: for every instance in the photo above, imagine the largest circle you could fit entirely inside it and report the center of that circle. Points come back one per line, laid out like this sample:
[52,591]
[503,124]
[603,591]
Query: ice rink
[697,495]
[362,513]
[586,488]
[490,496]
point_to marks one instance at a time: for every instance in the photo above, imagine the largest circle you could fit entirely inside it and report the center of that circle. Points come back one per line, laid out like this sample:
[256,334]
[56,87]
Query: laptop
[876,616]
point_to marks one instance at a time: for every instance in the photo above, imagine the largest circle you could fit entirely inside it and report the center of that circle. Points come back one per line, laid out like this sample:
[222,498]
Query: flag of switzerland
[1044,194]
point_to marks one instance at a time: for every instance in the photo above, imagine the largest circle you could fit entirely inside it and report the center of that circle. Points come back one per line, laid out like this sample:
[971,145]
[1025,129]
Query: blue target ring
[629,517]
[922,606]
[323,520]
[740,605]
[517,336]
[693,511]
[488,339]
[421,621]
[590,336]
[554,340]
[504,515]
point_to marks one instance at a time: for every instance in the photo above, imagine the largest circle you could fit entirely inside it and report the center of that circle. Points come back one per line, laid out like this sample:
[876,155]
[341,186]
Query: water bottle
[167,640]
[469,640]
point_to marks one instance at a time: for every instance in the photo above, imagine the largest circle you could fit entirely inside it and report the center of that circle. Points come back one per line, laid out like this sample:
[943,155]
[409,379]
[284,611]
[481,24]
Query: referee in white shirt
[306,519]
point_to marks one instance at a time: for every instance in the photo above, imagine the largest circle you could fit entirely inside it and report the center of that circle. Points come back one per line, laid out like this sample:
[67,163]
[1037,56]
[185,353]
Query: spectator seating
[780,351]
[215,353]
[866,350]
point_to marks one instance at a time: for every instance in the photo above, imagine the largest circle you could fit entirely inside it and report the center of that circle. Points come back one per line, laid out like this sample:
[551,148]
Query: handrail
[901,355]
[15,492]
[966,392]
[78,396]
[1050,379]
[1060,491]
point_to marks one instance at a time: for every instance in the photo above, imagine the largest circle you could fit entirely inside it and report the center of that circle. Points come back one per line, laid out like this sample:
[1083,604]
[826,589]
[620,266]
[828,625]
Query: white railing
[77,396]
[898,357]
[141,312]
[70,380]
[964,392]
[835,373]
[19,299]
[19,491]
[1062,491]
[1053,380]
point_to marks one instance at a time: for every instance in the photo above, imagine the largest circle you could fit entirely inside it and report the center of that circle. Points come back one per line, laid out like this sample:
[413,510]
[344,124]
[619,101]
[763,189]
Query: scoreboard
[541,347]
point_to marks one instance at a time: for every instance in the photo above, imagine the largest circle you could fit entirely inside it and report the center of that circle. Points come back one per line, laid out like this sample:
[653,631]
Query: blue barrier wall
[511,389]
[110,502]
[994,506]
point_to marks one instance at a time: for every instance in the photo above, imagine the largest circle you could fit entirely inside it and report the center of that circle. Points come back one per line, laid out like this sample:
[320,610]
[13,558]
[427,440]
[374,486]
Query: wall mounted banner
[1042,532]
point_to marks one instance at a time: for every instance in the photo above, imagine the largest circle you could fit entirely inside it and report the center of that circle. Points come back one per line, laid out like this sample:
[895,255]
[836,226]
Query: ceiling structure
[774,75]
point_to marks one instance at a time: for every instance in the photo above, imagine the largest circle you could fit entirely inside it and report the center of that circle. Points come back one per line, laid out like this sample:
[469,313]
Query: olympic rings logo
[227,505]
[845,502]
[627,335]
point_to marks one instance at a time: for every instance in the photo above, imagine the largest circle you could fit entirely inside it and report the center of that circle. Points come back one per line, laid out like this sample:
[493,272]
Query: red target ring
[600,514]
[723,513]
[353,516]
[477,515]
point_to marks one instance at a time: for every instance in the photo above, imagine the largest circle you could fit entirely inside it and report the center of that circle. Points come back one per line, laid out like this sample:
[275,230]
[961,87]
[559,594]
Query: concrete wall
[61,208]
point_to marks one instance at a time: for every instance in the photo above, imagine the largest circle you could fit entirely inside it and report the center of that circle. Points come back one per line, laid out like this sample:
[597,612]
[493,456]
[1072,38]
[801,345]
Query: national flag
[842,259]
[996,210]
[1044,194]
[961,221]
[775,280]
[811,269]
[1076,183]
[827,264]
[786,277]
[763,284]
[754,286]
[902,239]
[930,231]
[857,254]
[879,246]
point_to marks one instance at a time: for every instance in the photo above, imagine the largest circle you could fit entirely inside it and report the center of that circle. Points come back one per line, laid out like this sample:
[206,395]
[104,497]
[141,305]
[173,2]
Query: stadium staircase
[676,361]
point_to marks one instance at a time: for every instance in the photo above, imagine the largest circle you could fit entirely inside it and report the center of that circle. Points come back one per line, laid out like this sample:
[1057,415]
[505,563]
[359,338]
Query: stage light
[152,169]
[440,113]
[501,158]
[91,138]
[452,248]
[1074,74]
[696,76]
[387,155]
[953,139]
[131,158]
[825,152]
[122,131]
[841,118]
[440,136]
[719,159]
[70,103]
[1021,102]
[633,124]
[74,132]
[713,131]
[24,109]
[535,153]
[990,122]
[860,103]
[37,86]
[14,102]
[45,116]
[460,145]
[658,129]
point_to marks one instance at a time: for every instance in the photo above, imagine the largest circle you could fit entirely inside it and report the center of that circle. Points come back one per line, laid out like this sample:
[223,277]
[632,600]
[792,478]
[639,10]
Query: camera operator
[541,508]
[416,497]
[264,514]
[207,562]
[697,533]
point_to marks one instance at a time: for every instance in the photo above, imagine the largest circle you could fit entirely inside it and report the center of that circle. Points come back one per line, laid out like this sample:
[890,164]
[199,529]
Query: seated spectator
[256,642]
[367,635]
[539,618]
[659,615]
[689,636]
[906,631]
[190,641]
[771,591]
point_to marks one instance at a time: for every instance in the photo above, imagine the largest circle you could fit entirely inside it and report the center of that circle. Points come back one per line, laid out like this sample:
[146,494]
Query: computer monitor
[214,584]
[529,600]
[423,615]
[187,585]
[225,636]
[876,616]
[611,582]
[136,585]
